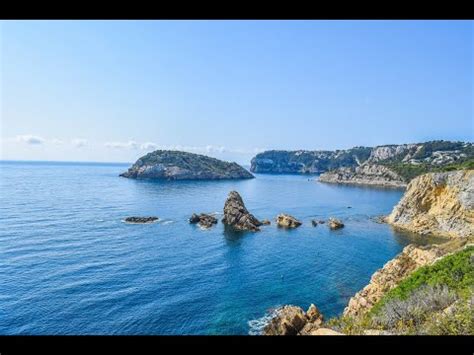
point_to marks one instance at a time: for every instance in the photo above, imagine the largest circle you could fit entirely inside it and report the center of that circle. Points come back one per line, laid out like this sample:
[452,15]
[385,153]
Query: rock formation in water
[141,220]
[176,165]
[237,216]
[287,221]
[203,220]
[386,278]
[388,165]
[335,223]
[437,203]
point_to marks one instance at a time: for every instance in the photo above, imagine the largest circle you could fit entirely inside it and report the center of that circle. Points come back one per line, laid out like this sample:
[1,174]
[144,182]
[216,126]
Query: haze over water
[69,265]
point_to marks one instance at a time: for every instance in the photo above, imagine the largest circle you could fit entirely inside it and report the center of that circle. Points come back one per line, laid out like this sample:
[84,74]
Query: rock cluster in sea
[204,220]
[237,216]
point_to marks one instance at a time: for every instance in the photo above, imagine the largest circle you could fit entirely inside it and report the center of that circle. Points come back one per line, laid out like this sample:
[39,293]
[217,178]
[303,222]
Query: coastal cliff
[176,165]
[438,203]
[387,165]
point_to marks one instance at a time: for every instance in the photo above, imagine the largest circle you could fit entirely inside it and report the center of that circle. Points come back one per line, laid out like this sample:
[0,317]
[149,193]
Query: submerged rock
[141,220]
[204,220]
[287,221]
[314,223]
[335,223]
[265,222]
[237,216]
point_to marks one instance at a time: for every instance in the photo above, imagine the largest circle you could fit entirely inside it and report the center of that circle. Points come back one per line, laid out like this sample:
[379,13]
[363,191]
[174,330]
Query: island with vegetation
[177,165]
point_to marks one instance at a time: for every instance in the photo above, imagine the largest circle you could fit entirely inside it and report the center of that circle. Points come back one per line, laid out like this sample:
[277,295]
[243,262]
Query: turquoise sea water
[69,265]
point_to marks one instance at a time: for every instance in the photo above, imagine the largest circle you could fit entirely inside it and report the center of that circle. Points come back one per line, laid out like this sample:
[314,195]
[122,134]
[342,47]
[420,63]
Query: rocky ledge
[237,216]
[437,203]
[389,276]
[176,165]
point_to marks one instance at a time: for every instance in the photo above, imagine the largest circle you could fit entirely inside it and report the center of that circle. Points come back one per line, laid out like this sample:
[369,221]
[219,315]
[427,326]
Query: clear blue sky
[111,90]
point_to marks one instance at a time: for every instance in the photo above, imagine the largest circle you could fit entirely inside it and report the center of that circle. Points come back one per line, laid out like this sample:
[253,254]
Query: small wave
[257,325]
[167,222]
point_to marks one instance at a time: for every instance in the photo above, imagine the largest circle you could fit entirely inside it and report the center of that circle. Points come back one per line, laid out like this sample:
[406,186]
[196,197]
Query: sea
[70,265]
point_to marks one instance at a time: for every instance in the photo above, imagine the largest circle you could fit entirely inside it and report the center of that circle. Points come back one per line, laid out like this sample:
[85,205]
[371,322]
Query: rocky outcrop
[203,220]
[292,320]
[237,216]
[287,221]
[141,220]
[175,165]
[367,174]
[386,278]
[335,223]
[438,203]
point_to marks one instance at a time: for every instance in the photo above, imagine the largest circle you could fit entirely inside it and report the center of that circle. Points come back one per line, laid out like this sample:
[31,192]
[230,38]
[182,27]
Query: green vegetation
[437,299]
[409,171]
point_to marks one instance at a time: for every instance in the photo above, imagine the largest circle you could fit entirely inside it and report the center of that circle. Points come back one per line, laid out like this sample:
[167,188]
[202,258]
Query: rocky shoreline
[435,203]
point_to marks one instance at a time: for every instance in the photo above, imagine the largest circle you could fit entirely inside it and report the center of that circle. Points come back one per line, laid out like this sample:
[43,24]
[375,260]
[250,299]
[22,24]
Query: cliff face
[438,203]
[388,165]
[175,165]
[386,278]
[367,174]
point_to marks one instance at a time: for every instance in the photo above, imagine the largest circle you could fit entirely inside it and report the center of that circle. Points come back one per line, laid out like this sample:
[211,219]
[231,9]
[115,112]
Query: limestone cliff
[439,204]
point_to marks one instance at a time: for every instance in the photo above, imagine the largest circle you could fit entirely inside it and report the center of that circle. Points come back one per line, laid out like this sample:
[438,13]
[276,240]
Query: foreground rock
[386,278]
[292,320]
[204,220]
[237,216]
[335,223]
[287,221]
[176,165]
[141,220]
[438,203]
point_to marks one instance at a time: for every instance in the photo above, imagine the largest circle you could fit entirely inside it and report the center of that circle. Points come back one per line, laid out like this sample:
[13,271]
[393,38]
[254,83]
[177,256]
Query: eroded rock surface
[438,203]
[287,221]
[237,216]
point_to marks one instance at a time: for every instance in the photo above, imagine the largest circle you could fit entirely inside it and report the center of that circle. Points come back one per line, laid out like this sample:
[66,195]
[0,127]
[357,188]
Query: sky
[115,90]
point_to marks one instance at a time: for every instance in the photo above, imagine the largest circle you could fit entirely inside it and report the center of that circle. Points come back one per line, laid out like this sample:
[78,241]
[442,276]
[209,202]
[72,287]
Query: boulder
[289,320]
[237,216]
[335,223]
[287,221]
[314,223]
[265,222]
[204,220]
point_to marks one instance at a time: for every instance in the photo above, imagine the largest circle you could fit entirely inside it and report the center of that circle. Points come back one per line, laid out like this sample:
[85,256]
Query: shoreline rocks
[140,220]
[237,216]
[410,259]
[287,221]
[203,220]
[439,204]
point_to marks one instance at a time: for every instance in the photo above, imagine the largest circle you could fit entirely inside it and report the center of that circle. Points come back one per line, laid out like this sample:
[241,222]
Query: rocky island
[177,165]
[387,165]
